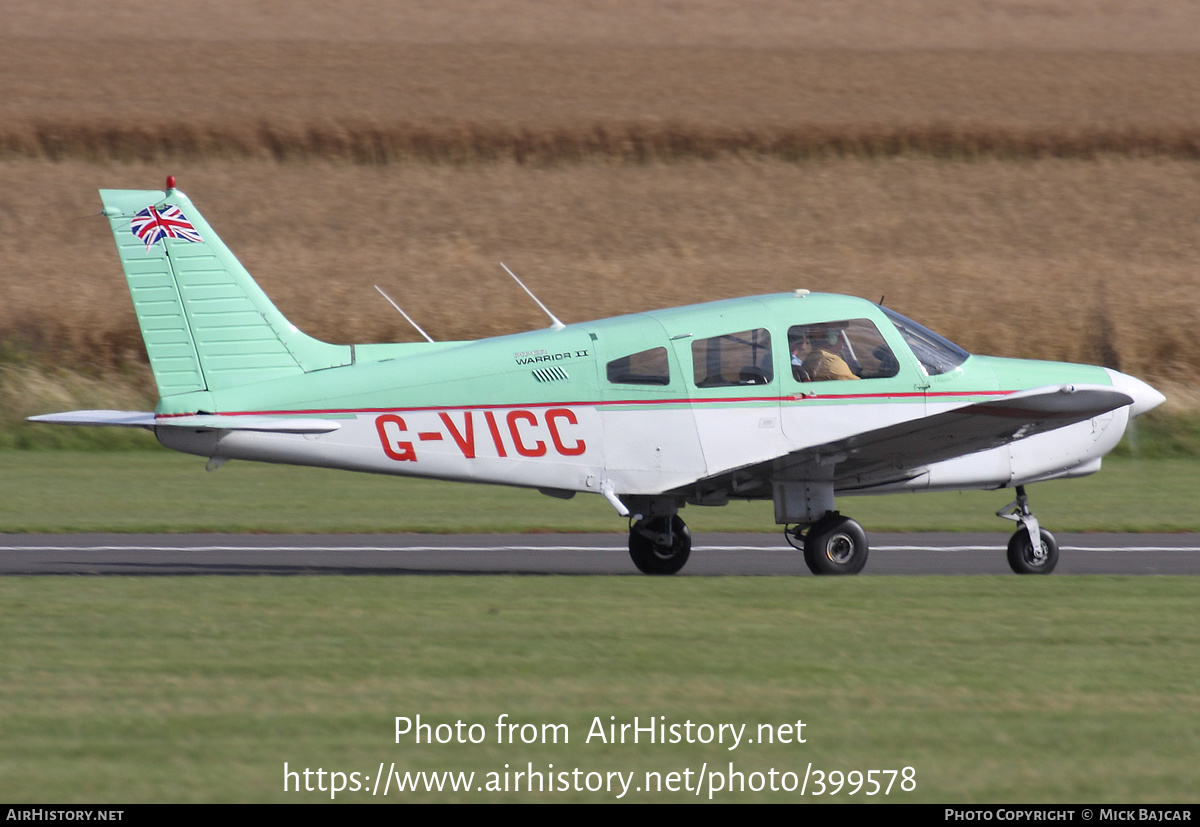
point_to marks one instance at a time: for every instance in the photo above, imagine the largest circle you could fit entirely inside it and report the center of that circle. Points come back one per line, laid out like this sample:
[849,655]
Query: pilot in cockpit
[815,355]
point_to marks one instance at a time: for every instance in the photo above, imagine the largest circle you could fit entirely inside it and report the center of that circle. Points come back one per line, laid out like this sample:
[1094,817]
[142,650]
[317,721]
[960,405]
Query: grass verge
[159,491]
[992,689]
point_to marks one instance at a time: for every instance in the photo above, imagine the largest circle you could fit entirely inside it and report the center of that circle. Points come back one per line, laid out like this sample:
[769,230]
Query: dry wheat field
[1024,177]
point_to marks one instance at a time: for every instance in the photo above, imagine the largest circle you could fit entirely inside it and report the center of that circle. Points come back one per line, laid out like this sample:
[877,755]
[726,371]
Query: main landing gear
[660,545]
[1032,549]
[832,545]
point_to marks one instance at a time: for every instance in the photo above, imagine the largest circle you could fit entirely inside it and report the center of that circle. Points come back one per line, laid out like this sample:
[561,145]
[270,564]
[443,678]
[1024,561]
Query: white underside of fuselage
[638,449]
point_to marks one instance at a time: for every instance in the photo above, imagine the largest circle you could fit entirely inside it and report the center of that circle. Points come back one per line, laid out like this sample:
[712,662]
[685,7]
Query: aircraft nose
[1145,398]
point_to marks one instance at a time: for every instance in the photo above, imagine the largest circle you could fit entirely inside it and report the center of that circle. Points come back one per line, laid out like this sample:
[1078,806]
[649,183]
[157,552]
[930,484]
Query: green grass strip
[159,491]
[994,689]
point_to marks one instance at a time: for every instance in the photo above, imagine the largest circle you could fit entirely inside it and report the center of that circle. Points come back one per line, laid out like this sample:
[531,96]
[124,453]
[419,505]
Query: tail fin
[206,323]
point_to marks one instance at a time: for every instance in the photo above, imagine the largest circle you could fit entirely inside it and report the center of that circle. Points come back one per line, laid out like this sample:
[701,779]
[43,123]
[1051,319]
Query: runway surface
[569,554]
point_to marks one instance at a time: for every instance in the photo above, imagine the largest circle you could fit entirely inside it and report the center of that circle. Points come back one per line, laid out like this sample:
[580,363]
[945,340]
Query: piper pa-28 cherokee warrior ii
[794,398]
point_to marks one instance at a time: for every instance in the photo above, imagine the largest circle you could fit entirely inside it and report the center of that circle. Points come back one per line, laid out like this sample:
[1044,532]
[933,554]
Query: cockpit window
[742,358]
[851,349]
[935,353]
[648,367]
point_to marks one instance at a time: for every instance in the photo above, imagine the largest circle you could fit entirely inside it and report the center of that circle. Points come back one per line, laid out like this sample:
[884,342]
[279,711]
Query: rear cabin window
[647,367]
[733,359]
[829,351]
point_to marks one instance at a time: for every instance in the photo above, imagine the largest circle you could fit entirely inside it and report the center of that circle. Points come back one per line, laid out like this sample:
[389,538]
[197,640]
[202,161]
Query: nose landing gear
[1032,549]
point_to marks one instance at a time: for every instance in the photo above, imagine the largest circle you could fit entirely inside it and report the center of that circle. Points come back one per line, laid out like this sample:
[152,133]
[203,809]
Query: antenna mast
[407,318]
[555,323]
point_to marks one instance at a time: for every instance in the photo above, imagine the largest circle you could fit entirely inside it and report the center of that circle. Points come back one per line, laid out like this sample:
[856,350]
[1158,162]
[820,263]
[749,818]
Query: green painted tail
[207,325]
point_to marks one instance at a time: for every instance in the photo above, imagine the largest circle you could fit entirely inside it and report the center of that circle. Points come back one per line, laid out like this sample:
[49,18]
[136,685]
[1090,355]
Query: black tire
[651,558]
[835,545]
[1021,558]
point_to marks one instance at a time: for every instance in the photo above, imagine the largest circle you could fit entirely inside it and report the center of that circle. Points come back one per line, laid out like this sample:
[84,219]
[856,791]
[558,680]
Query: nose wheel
[1025,558]
[1032,549]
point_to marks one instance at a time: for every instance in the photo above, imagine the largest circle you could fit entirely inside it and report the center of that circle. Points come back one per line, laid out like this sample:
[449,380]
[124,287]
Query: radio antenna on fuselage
[555,323]
[407,318]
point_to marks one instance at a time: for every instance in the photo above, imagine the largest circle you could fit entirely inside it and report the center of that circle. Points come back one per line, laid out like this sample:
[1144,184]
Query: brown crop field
[1024,178]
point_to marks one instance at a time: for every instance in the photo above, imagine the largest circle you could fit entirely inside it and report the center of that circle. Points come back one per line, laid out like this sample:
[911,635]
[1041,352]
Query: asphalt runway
[564,554]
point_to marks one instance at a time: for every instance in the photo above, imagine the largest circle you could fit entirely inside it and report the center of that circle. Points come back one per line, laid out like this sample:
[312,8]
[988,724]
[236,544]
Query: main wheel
[653,558]
[1024,560]
[835,545]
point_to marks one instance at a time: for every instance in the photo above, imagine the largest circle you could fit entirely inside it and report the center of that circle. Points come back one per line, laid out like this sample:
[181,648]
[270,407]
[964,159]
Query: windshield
[935,353]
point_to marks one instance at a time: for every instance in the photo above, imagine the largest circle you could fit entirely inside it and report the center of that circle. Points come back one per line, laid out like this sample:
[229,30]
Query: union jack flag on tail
[152,224]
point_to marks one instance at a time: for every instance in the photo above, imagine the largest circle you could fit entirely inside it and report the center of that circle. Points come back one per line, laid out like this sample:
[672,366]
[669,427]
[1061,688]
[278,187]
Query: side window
[648,367]
[840,350]
[733,359]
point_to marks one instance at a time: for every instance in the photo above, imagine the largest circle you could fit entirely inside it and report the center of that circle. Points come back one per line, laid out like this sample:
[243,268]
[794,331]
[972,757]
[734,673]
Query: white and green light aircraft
[795,398]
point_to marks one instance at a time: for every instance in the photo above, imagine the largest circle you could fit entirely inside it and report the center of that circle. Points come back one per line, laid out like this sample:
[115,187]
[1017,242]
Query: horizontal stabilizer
[146,419]
[119,419]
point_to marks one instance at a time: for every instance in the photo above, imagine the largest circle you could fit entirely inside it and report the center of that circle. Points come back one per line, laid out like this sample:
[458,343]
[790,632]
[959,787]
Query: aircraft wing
[147,419]
[898,452]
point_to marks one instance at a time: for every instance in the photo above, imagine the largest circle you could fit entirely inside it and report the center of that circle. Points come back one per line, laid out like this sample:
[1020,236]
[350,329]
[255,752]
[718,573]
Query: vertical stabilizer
[206,323]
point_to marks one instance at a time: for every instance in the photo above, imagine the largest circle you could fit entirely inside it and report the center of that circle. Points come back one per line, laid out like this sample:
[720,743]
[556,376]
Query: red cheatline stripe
[602,403]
